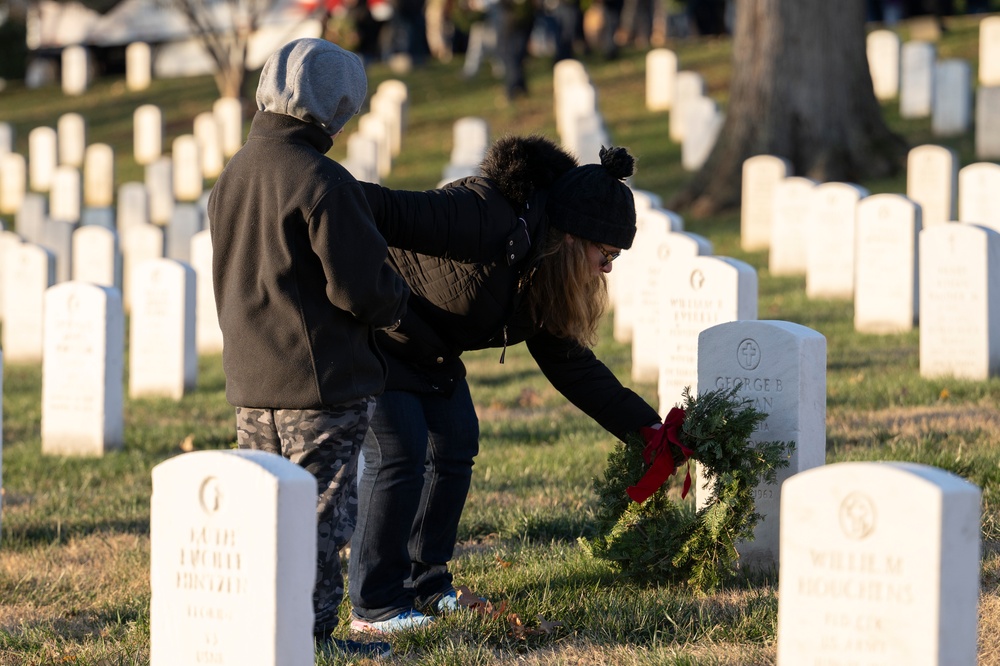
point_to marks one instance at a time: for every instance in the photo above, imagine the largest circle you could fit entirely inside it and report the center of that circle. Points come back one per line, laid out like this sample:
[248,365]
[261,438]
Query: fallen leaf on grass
[517,628]
[188,444]
[501,563]
[469,599]
[548,626]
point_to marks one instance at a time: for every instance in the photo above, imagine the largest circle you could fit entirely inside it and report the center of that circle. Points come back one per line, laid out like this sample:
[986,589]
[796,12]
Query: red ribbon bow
[659,458]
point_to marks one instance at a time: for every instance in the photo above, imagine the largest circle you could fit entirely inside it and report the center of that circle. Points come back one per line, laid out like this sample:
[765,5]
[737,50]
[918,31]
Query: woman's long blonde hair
[566,297]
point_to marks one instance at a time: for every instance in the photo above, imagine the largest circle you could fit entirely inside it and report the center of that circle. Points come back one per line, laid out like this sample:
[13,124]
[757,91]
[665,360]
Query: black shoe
[358,649]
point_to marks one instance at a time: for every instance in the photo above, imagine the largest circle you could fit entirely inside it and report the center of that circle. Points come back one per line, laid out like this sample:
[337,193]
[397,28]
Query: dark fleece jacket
[473,244]
[299,273]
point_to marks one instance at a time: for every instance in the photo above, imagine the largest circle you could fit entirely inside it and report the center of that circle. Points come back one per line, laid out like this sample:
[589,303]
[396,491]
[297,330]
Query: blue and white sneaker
[410,619]
[447,602]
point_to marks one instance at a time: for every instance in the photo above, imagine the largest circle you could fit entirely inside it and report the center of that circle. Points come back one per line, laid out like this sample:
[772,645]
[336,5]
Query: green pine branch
[664,541]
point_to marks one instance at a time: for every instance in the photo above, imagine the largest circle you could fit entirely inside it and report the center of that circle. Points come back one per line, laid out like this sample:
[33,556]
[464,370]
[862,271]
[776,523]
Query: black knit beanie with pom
[592,201]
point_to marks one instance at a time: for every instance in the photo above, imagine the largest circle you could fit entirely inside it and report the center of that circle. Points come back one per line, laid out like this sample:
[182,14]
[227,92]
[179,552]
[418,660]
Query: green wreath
[659,540]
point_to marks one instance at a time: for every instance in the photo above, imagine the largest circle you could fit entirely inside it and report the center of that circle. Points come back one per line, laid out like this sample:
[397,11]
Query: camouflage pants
[325,443]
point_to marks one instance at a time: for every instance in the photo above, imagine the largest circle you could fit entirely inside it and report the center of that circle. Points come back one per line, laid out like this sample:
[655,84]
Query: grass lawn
[74,555]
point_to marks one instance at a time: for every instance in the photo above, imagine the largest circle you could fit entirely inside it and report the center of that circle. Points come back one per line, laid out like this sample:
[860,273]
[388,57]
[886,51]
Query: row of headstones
[79,329]
[666,290]
[107,242]
[926,86]
[217,135]
[695,118]
[669,288]
[923,83]
[76,68]
[27,274]
[876,560]
[60,160]
[898,256]
[579,122]
[379,136]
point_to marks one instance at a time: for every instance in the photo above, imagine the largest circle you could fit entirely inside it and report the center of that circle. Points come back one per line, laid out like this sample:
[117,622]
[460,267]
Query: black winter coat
[299,273]
[473,246]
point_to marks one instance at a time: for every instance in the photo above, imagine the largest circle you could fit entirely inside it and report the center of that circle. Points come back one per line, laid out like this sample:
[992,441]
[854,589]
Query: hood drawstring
[503,352]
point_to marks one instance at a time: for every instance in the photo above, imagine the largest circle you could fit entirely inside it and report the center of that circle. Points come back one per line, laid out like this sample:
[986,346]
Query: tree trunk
[801,89]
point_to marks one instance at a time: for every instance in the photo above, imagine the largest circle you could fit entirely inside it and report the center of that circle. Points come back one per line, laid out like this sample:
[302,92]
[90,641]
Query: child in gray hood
[301,285]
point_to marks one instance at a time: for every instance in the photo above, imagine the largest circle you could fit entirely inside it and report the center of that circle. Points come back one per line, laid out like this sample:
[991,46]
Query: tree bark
[801,89]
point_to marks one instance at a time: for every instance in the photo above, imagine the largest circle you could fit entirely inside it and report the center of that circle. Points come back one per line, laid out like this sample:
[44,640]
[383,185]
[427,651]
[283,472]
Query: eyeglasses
[608,256]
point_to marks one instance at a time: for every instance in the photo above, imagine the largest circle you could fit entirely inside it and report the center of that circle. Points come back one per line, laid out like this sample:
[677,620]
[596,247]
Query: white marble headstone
[163,361]
[187,176]
[147,134]
[206,131]
[916,80]
[704,291]
[99,176]
[138,66]
[75,70]
[208,334]
[883,47]
[8,242]
[374,128]
[932,182]
[979,194]
[28,270]
[959,302]
[951,111]
[232,560]
[470,140]
[71,133]
[629,272]
[989,51]
[229,115]
[57,236]
[139,243]
[43,157]
[397,90]
[66,194]
[832,221]
[780,368]
[886,282]
[702,123]
[389,109]
[362,157]
[133,206]
[879,565]
[690,85]
[13,182]
[987,125]
[159,179]
[761,173]
[82,370]
[660,248]
[661,79]
[6,138]
[96,257]
[184,224]
[789,226]
[31,217]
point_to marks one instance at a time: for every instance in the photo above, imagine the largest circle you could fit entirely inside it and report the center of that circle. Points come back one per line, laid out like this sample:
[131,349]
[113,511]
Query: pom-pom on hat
[313,80]
[593,202]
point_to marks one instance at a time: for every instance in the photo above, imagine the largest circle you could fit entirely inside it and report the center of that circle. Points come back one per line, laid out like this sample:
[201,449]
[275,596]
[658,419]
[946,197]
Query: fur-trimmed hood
[521,166]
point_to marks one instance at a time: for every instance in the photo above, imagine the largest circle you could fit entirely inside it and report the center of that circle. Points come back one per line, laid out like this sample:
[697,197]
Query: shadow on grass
[31,537]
